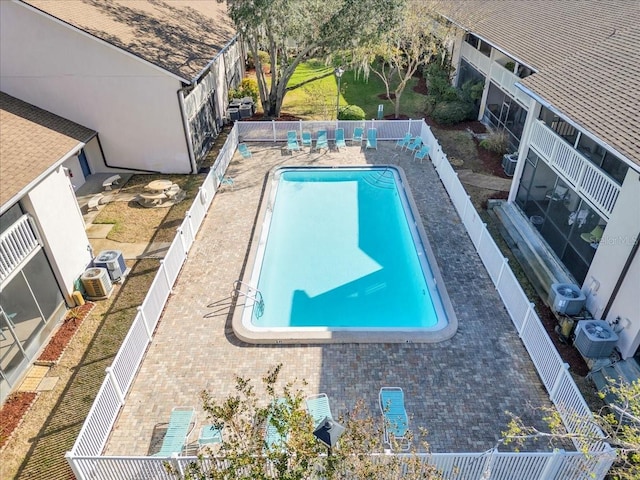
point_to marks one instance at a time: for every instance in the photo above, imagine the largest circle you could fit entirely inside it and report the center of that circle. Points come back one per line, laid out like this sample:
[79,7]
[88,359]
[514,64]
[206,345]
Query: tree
[291,31]
[619,423]
[416,39]
[244,453]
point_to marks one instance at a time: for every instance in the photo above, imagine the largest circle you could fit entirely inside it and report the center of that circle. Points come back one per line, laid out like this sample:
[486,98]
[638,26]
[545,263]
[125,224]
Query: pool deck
[458,389]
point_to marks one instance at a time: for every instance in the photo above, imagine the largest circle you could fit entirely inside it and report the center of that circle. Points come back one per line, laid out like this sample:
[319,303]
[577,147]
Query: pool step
[382,179]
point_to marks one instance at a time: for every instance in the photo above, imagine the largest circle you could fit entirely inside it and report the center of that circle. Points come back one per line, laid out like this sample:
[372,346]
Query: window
[567,223]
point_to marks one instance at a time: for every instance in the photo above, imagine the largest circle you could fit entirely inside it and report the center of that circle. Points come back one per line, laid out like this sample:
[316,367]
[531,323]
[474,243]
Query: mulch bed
[74,318]
[12,412]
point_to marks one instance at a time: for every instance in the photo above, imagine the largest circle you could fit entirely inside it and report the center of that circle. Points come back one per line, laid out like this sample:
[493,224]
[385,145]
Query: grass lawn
[314,90]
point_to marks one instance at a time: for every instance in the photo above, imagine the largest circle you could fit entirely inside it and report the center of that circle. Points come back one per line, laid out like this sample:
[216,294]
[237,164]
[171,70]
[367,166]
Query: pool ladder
[250,293]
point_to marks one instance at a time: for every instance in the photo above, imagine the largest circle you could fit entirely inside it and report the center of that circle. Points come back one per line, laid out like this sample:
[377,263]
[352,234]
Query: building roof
[179,36]
[32,140]
[585,53]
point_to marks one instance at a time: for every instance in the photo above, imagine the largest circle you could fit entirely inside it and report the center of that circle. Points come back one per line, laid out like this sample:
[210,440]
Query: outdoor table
[159,185]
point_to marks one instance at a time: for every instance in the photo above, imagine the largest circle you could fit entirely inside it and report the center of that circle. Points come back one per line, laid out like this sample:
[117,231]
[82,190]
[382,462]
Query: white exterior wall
[132,104]
[627,307]
[94,159]
[53,205]
[607,265]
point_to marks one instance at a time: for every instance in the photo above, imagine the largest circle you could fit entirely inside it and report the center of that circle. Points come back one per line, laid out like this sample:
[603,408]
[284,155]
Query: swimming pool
[340,255]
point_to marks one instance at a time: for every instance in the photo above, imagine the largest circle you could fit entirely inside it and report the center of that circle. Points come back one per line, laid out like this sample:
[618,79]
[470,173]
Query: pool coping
[318,335]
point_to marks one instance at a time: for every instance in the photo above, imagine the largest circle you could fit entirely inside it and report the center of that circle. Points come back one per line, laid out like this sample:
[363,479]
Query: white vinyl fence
[85,457]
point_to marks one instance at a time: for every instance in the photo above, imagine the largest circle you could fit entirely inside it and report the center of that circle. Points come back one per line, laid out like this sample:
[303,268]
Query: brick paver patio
[458,389]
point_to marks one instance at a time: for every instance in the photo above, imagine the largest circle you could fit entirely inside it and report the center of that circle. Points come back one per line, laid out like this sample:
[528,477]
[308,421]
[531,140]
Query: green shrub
[449,113]
[471,90]
[497,141]
[429,104]
[248,88]
[262,55]
[351,112]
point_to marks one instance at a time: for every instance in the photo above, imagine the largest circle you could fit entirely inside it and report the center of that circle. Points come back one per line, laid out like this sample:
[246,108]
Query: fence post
[557,381]
[273,124]
[409,129]
[74,468]
[112,378]
[484,227]
[191,231]
[526,319]
[505,261]
[166,275]
[553,464]
[146,326]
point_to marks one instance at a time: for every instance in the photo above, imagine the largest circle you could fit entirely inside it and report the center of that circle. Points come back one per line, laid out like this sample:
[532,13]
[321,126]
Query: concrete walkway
[458,390]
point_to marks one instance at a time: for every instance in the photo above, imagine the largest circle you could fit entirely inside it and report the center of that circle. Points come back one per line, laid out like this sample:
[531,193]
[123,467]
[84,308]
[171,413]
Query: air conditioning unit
[96,283]
[113,261]
[566,298]
[509,162]
[594,338]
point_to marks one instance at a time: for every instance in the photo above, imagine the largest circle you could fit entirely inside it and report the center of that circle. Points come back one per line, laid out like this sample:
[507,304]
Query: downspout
[623,274]
[187,131]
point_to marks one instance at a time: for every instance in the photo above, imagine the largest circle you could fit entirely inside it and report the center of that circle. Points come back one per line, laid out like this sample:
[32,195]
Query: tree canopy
[291,31]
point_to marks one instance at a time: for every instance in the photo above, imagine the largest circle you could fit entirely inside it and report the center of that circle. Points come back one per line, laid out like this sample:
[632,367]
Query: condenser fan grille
[597,331]
[568,292]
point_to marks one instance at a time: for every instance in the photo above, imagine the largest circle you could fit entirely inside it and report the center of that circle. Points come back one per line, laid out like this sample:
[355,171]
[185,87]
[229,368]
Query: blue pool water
[340,249]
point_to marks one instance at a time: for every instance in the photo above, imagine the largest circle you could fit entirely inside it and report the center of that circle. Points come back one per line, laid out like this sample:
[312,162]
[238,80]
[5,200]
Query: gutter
[206,68]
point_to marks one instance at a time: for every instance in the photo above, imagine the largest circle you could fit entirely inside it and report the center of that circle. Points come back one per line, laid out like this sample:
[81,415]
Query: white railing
[600,190]
[85,457]
[16,243]
[275,131]
[111,396]
[476,58]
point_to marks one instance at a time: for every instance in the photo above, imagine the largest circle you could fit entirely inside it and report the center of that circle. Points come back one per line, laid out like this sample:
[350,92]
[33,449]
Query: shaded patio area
[458,389]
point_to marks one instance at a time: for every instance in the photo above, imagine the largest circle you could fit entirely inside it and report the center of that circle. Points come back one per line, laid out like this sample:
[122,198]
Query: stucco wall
[613,252]
[53,205]
[132,104]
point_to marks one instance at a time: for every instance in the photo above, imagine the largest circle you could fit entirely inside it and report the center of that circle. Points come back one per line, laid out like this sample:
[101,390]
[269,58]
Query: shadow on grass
[45,459]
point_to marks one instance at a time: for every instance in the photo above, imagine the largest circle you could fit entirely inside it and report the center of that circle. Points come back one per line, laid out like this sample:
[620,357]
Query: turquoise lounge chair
[244,150]
[226,181]
[357,135]
[273,437]
[181,423]
[403,142]
[414,145]
[423,152]
[318,407]
[340,138]
[372,138]
[396,422]
[322,141]
[292,141]
[306,139]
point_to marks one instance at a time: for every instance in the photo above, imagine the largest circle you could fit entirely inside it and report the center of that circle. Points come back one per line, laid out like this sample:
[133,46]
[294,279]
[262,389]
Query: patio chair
[292,141]
[340,142]
[414,145]
[226,181]
[423,152]
[321,141]
[318,407]
[181,423]
[396,422]
[594,236]
[273,437]
[244,150]
[372,138]
[306,139]
[358,132]
[403,142]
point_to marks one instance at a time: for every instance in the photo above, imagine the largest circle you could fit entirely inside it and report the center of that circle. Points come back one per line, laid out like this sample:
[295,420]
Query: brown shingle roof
[180,36]
[31,141]
[585,52]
